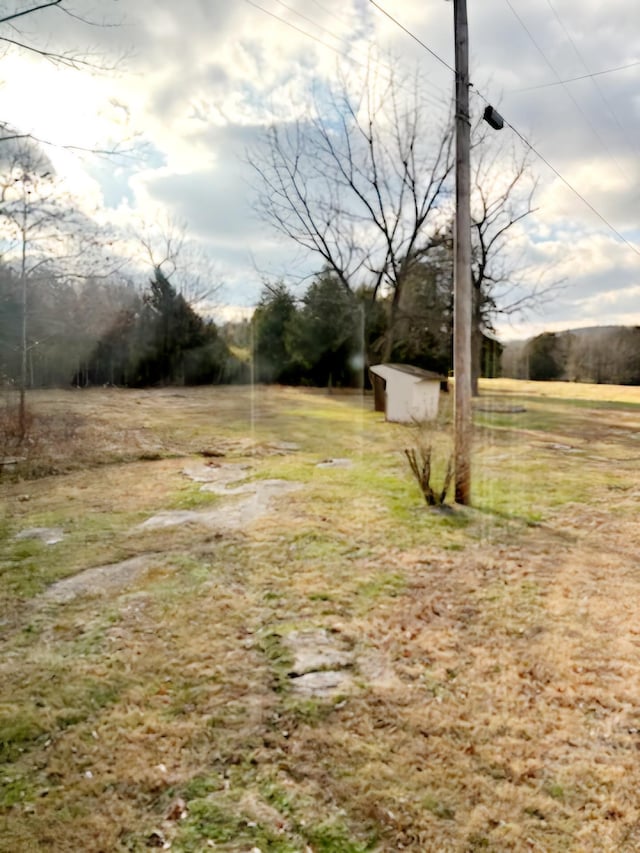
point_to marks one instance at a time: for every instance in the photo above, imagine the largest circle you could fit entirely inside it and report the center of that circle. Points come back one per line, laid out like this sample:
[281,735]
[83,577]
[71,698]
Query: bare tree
[192,272]
[359,183]
[45,236]
[365,183]
[12,37]
[503,189]
[502,195]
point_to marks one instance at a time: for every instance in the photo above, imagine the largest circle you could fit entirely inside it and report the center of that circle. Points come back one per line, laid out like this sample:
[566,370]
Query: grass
[494,699]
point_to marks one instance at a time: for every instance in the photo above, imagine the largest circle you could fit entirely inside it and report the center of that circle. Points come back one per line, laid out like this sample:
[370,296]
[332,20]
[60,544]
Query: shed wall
[425,399]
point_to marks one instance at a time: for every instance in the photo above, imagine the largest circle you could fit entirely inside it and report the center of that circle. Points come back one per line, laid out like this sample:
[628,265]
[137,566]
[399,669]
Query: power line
[565,181]
[413,36]
[579,77]
[435,101]
[594,82]
[330,13]
[523,139]
[561,177]
[575,191]
[586,118]
[297,29]
[309,20]
[339,38]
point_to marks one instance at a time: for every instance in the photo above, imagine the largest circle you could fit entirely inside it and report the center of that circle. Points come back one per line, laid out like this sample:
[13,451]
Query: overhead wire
[633,64]
[594,81]
[529,145]
[413,36]
[570,95]
[385,65]
[564,180]
[328,11]
[443,62]
[297,29]
[435,101]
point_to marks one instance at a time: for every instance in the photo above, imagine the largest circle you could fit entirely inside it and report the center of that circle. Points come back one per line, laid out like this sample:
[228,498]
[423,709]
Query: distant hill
[594,331]
[602,354]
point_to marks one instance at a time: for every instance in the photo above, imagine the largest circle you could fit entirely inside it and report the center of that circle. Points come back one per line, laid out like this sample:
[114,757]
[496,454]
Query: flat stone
[100,579]
[234,515]
[325,683]
[216,473]
[315,650]
[47,535]
[335,463]
[172,518]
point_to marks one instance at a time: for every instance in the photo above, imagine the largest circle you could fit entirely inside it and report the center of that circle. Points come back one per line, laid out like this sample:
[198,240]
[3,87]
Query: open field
[476,684]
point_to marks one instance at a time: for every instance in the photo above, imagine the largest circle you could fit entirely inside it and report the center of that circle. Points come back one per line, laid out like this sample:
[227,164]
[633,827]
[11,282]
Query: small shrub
[420,462]
[14,429]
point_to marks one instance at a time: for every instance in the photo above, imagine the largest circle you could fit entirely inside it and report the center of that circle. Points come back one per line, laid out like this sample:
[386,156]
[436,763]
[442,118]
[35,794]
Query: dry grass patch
[493,651]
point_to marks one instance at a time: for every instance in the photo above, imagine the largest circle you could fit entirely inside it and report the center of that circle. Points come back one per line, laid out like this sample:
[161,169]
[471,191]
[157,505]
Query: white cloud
[202,78]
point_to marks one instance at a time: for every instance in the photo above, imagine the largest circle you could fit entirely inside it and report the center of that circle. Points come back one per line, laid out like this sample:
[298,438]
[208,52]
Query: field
[229,621]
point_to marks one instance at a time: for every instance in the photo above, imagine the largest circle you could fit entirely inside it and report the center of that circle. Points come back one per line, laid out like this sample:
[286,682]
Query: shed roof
[417,372]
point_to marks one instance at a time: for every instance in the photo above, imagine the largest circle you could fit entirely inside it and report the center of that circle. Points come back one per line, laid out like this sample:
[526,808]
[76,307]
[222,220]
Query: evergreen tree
[275,314]
[424,325]
[326,337]
[159,340]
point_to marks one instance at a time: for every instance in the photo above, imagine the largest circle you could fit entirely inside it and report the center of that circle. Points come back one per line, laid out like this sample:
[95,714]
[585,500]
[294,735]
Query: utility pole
[462,263]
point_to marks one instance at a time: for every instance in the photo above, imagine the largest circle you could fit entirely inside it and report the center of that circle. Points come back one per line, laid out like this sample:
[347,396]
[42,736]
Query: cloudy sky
[190,87]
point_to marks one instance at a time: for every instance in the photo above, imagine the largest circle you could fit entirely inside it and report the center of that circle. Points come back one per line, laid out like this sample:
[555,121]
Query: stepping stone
[314,650]
[320,666]
[326,683]
[100,579]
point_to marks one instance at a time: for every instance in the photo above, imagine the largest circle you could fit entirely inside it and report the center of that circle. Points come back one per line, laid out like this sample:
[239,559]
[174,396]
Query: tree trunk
[389,338]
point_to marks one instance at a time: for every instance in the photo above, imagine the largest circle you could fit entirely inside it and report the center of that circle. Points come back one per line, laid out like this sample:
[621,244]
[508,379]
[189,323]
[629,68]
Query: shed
[409,393]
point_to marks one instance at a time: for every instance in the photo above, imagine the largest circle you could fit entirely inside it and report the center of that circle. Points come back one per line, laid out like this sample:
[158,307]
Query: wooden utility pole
[462,263]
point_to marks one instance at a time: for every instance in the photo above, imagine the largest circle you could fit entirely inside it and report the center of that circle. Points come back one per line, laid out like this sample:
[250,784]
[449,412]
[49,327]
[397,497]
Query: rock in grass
[335,463]
[326,683]
[47,535]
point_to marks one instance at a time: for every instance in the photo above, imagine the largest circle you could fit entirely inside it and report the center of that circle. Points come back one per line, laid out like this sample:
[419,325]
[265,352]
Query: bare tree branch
[190,270]
[24,12]
[93,62]
[360,183]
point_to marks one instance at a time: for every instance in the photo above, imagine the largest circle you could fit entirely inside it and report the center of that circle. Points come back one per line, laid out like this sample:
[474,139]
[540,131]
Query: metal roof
[417,372]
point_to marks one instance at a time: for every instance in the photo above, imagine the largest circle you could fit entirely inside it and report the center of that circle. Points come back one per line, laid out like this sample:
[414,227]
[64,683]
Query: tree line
[363,182]
[107,331]
[608,355]
[331,334]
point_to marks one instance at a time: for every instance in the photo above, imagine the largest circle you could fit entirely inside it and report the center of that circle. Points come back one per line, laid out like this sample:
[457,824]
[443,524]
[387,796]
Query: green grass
[491,658]
[220,824]
[19,730]
[383,585]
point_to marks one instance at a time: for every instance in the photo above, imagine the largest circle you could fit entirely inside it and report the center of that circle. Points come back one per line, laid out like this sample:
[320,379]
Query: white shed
[410,393]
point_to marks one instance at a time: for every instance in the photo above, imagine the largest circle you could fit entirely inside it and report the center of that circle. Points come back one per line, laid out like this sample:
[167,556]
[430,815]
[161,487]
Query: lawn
[480,665]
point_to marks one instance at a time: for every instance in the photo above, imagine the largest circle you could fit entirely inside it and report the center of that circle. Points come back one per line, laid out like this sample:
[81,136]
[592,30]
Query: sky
[187,90]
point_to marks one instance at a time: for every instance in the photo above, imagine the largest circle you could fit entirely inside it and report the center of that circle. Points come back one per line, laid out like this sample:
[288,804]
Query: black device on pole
[493,117]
